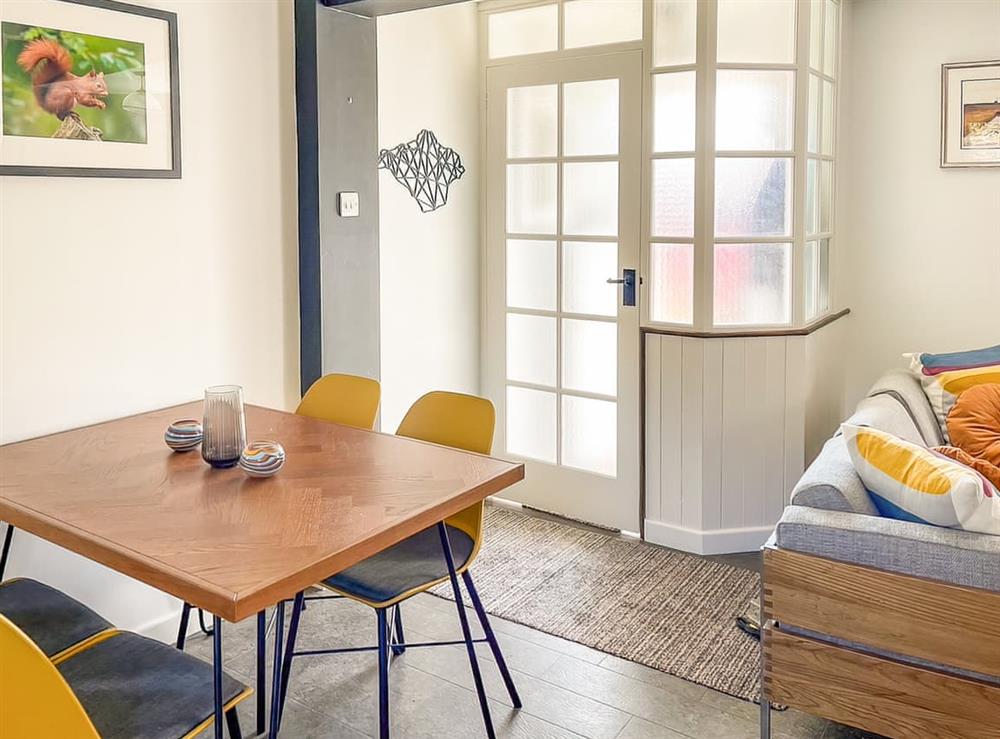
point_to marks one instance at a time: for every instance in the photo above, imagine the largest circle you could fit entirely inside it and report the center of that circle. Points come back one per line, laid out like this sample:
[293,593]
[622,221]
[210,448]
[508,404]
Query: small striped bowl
[262,458]
[183,435]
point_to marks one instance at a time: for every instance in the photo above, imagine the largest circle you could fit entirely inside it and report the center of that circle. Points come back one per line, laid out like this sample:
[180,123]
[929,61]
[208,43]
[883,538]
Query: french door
[561,346]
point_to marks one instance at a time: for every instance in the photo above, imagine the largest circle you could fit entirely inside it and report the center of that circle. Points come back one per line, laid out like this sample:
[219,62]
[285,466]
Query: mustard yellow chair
[414,565]
[346,399]
[116,686]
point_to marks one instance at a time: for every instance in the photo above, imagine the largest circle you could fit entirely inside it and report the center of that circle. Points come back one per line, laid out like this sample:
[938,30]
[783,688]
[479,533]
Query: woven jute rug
[668,610]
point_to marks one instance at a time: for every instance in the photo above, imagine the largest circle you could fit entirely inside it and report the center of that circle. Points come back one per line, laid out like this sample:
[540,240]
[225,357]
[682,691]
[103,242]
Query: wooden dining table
[224,542]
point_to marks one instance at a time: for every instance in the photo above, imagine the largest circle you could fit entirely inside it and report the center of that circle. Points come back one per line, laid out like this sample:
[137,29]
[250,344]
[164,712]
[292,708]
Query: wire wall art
[425,167]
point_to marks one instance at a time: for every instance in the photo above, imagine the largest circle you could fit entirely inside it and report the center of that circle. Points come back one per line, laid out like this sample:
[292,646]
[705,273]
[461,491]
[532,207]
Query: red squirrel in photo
[58,90]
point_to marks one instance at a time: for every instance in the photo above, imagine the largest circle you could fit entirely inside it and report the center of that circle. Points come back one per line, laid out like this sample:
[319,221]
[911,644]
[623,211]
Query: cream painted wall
[429,262]
[118,296]
[921,244]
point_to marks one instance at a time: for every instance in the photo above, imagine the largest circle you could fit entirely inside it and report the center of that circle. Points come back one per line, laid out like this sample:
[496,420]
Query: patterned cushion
[912,483]
[945,376]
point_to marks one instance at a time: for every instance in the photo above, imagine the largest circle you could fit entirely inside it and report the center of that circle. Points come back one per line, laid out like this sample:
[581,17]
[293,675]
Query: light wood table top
[220,540]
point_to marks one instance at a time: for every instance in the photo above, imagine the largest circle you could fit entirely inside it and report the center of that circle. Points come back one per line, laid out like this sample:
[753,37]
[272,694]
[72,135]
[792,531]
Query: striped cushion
[912,483]
[945,376]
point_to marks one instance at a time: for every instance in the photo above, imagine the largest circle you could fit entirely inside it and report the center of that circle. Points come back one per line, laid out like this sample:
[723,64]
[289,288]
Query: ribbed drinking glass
[224,426]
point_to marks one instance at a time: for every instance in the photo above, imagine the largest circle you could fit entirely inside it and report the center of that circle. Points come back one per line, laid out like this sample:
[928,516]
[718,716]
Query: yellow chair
[117,686]
[432,556]
[346,399]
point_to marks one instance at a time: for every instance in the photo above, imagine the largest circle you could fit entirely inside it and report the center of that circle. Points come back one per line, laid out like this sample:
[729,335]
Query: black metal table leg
[279,632]
[286,665]
[6,548]
[261,672]
[217,677]
[466,631]
[182,628]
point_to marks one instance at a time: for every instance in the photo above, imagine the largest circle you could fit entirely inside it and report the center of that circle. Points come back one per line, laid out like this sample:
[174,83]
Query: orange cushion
[974,422]
[990,471]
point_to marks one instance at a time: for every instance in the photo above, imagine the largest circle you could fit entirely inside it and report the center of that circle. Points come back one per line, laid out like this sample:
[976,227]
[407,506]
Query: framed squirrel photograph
[89,89]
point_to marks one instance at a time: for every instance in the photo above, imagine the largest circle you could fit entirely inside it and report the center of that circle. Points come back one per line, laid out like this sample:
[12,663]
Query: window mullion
[704,205]
[800,161]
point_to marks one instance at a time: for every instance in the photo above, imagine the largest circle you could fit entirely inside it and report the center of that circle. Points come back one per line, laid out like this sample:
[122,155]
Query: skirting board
[717,541]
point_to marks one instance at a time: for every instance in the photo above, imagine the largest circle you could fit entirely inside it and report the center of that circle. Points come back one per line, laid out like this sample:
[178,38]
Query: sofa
[889,626]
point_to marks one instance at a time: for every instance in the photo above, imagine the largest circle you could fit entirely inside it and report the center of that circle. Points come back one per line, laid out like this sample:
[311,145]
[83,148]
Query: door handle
[627,281]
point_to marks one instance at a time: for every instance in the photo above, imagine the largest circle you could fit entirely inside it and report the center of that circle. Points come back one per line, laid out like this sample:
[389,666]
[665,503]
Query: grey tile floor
[568,690]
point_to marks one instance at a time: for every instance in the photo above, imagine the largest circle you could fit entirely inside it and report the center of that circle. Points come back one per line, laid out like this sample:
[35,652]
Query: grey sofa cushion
[830,482]
[905,388]
[949,555]
[886,413]
[897,406]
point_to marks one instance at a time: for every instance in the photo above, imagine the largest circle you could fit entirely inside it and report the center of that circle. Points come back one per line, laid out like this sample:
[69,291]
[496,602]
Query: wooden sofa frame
[881,687]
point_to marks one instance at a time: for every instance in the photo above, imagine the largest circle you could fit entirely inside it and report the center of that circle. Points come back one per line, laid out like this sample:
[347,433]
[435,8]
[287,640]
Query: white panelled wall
[726,433]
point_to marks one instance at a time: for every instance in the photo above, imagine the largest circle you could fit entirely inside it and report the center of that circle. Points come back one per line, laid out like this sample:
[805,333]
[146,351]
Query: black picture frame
[174,172]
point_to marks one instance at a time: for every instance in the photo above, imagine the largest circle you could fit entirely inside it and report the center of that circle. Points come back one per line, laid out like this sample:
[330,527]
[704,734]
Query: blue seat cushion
[409,565]
[138,688]
[51,619]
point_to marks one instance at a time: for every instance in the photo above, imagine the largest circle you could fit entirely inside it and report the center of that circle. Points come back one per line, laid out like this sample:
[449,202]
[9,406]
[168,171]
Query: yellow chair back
[460,421]
[36,700]
[346,399]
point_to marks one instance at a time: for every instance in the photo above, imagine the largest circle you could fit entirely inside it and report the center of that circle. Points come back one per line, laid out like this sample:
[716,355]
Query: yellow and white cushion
[912,483]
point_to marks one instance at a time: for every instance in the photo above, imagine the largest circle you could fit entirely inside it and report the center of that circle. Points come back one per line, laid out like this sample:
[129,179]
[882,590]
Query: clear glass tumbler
[224,425]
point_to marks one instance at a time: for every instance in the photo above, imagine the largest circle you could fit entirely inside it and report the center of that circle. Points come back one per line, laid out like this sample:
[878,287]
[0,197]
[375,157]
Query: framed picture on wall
[89,89]
[970,114]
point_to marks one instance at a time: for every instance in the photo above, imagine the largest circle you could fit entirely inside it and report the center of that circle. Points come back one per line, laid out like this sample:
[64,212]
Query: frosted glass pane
[587,265]
[827,134]
[753,196]
[590,118]
[531,349]
[531,274]
[672,280]
[752,284]
[673,111]
[812,137]
[590,356]
[826,196]
[675,34]
[810,275]
[812,212]
[590,198]
[590,434]
[754,110]
[592,22]
[531,121]
[531,198]
[527,31]
[823,300]
[830,39]
[817,278]
[531,424]
[815,33]
[757,31]
[673,197]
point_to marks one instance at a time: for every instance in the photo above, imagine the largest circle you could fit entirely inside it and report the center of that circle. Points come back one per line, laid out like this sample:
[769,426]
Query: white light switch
[347,204]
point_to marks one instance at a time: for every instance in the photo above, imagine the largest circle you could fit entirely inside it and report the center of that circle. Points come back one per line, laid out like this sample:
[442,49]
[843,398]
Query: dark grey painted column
[348,160]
